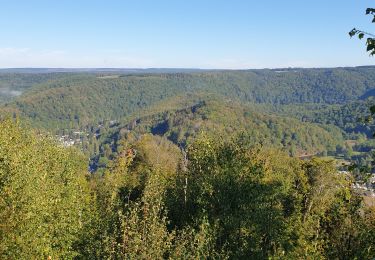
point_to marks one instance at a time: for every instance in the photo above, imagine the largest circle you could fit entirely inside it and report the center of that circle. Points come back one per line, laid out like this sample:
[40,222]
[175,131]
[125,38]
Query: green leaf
[361,35]
[353,32]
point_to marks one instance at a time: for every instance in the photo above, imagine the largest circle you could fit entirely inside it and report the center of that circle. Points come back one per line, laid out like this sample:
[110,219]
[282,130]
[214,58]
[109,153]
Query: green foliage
[224,199]
[131,199]
[43,196]
[252,198]
[143,227]
[267,205]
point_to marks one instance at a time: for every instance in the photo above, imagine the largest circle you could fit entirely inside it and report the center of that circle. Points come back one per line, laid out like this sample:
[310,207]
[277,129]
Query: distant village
[70,140]
[75,137]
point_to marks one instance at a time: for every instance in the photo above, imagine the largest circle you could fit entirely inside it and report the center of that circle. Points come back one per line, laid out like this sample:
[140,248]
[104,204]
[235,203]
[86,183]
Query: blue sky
[231,34]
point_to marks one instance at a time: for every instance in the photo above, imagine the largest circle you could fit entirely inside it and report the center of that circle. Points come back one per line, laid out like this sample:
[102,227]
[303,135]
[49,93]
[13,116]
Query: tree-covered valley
[187,164]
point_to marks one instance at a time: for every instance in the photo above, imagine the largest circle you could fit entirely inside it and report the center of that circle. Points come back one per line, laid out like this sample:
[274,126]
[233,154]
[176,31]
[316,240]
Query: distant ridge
[157,70]
[99,70]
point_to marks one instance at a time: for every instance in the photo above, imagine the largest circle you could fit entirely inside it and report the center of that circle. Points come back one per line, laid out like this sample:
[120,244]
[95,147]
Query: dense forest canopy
[226,199]
[89,98]
[194,164]
[303,111]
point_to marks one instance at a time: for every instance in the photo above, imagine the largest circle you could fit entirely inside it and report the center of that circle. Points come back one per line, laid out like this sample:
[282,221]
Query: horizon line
[176,68]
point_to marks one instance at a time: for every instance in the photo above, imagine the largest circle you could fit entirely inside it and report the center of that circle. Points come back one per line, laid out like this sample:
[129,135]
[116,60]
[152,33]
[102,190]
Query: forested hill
[87,98]
[224,120]
[14,84]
